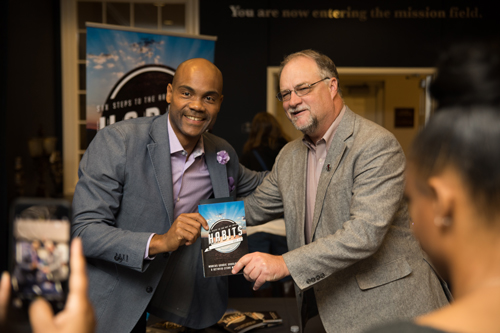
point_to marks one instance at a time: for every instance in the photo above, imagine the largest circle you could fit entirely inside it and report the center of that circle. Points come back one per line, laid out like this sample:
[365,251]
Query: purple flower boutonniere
[223,157]
[230,182]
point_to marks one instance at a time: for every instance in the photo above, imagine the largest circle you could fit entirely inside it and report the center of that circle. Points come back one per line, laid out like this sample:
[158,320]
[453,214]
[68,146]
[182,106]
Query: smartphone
[39,253]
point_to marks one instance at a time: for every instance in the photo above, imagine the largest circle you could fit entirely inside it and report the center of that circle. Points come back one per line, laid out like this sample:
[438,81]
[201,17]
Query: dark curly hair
[466,139]
[468,73]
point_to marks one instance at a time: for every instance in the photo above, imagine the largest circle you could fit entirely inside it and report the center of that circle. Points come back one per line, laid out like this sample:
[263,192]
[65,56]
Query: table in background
[286,307]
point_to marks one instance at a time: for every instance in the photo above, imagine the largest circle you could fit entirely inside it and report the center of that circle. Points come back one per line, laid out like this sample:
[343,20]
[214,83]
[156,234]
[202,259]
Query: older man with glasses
[351,254]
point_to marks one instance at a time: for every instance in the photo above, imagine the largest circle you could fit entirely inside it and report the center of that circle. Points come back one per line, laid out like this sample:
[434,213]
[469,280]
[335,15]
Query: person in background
[351,254]
[77,315]
[265,141]
[453,188]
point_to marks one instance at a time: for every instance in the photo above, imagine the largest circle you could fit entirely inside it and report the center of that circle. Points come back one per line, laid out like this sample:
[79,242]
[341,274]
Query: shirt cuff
[146,254]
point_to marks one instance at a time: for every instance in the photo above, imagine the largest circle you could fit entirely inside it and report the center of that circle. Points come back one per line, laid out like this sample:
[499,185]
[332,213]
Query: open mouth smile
[194,118]
[296,112]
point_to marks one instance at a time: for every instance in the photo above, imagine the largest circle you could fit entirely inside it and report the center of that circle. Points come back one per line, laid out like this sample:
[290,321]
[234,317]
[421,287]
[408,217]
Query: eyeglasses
[285,95]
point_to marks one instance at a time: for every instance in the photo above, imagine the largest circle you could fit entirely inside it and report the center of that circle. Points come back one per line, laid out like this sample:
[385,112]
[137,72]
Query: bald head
[203,68]
[194,97]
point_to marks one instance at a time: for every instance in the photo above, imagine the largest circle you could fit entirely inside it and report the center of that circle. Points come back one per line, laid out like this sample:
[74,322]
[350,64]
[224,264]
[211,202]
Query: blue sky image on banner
[128,72]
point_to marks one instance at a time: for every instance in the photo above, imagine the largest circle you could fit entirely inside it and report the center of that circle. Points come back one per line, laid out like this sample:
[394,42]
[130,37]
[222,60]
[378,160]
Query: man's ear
[169,93]
[444,197]
[333,86]
[221,99]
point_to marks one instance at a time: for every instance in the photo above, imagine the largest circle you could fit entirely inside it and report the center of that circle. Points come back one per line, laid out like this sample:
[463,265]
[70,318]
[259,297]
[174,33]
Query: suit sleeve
[376,198]
[265,204]
[248,180]
[96,204]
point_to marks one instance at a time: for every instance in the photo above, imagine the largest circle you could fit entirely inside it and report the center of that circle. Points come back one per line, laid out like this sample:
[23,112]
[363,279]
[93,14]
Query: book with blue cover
[226,240]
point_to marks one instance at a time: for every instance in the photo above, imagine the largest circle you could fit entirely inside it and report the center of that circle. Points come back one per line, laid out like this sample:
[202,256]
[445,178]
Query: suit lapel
[218,172]
[159,153]
[333,158]
[300,163]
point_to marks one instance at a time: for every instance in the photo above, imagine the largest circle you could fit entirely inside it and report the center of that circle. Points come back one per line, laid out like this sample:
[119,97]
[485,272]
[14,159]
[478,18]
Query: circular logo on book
[225,236]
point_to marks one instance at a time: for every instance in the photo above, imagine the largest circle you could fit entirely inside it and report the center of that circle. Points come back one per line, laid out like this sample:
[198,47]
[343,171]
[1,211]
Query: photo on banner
[128,71]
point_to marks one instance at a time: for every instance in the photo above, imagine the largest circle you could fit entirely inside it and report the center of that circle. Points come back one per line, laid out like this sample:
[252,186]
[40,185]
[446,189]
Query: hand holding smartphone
[49,222]
[39,253]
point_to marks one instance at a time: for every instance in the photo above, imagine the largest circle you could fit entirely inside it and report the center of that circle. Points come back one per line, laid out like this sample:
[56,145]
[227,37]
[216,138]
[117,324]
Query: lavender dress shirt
[190,178]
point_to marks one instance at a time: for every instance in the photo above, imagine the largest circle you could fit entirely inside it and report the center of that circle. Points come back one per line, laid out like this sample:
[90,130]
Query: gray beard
[308,128]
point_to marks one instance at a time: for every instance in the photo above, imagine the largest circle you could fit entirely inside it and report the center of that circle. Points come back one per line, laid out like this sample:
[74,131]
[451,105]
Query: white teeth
[194,118]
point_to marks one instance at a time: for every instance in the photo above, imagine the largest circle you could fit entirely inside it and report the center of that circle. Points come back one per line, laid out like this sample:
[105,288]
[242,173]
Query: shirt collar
[176,147]
[328,136]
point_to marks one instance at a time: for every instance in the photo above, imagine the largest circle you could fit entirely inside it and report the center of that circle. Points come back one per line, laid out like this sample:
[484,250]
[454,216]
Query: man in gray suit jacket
[135,208]
[351,254]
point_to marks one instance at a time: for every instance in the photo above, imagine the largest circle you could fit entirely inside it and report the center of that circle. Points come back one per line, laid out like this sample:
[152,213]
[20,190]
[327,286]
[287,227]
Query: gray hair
[325,64]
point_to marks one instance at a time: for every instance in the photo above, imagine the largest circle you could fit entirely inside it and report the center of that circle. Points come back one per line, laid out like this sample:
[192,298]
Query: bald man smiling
[135,208]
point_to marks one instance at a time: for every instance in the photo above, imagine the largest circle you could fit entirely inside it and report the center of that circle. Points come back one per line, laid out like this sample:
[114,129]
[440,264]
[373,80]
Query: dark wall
[3,137]
[30,95]
[247,44]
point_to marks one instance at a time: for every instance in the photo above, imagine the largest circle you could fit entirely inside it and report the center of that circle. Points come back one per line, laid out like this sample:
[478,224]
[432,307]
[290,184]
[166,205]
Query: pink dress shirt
[316,157]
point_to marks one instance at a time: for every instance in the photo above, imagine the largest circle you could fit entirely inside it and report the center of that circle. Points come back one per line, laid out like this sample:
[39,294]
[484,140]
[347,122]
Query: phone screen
[40,253]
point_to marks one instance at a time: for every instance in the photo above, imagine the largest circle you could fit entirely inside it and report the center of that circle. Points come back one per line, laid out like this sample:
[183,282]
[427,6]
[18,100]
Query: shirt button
[178,199]
[149,289]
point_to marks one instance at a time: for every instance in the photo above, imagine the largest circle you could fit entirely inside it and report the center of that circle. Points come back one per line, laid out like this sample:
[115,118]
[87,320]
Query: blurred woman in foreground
[453,187]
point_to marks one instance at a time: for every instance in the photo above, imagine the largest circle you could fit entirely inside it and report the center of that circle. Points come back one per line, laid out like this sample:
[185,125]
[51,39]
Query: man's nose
[294,99]
[197,105]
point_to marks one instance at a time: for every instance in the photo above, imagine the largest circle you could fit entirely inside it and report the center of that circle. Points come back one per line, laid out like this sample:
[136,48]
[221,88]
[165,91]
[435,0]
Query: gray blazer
[124,194]
[364,264]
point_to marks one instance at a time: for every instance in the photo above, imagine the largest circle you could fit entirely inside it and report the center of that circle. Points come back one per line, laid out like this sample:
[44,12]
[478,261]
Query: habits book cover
[226,240]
